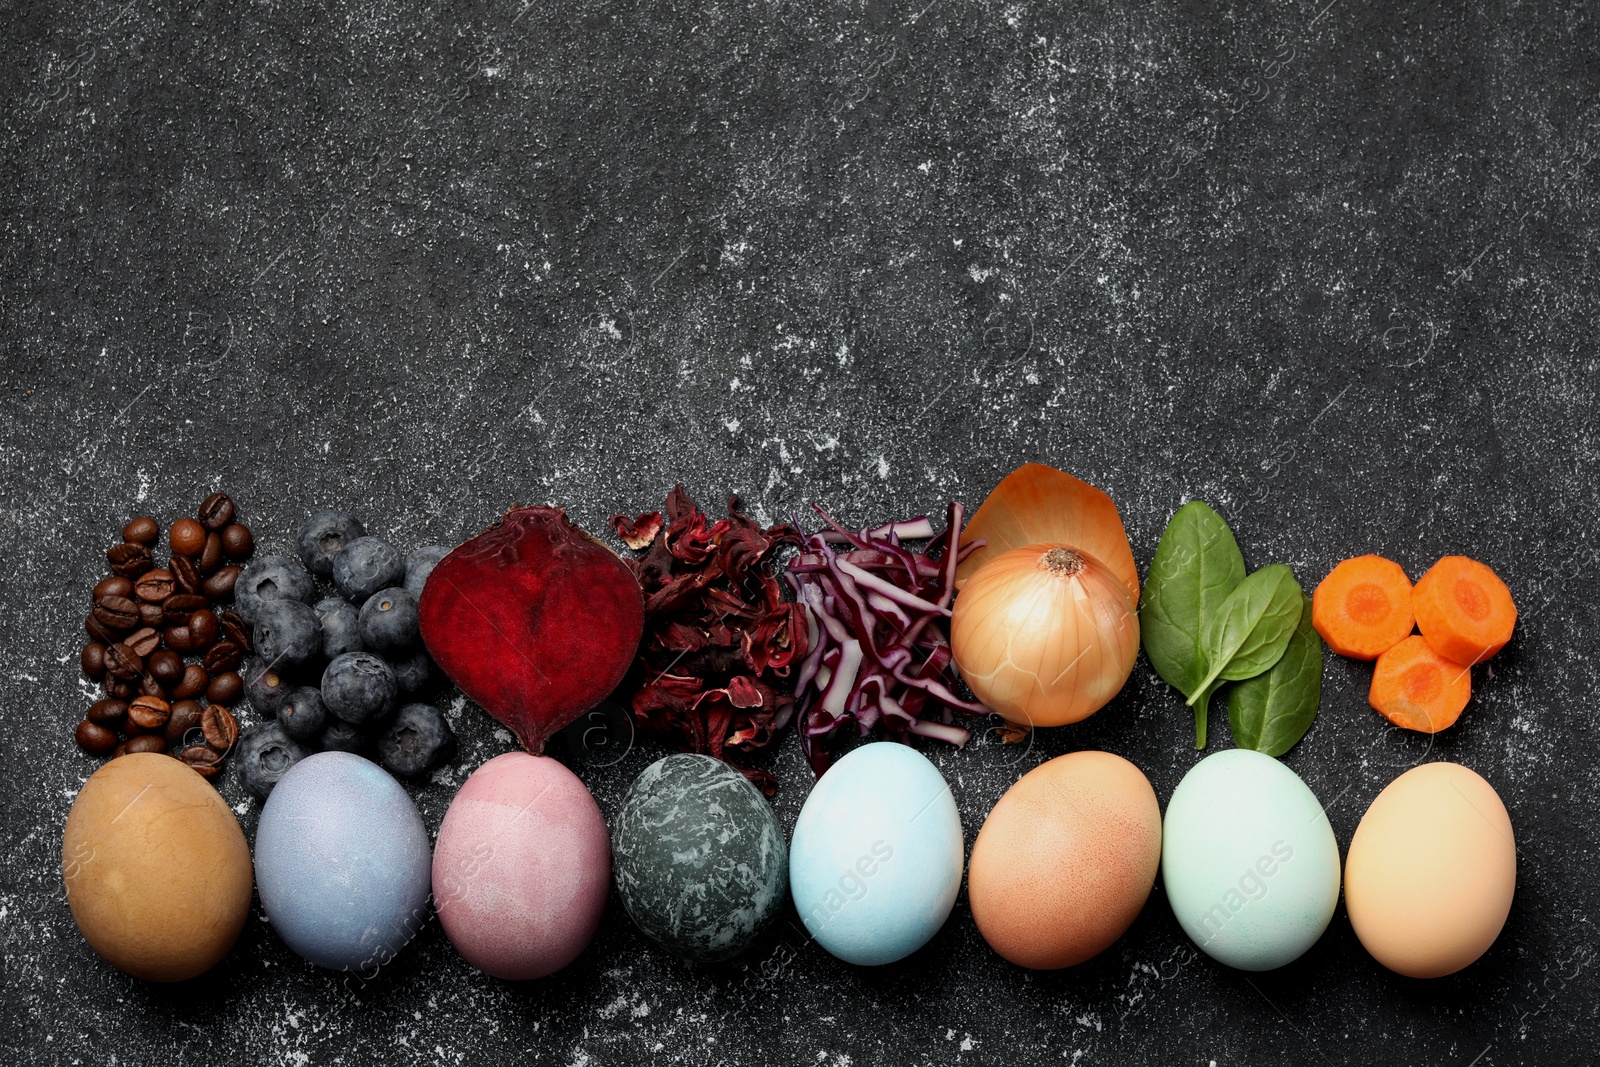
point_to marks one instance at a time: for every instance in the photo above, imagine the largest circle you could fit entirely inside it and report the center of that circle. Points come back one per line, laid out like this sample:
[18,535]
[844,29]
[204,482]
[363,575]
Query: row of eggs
[159,877]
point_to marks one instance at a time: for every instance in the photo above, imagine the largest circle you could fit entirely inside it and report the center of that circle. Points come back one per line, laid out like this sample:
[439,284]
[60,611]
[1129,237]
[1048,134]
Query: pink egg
[521,868]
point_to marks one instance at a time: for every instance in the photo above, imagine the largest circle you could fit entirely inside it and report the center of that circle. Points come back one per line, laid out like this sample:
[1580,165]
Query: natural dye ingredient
[1464,611]
[1249,861]
[878,658]
[156,868]
[1431,871]
[1363,607]
[522,867]
[700,860]
[1273,710]
[1044,635]
[1036,504]
[1065,861]
[533,619]
[342,862]
[875,860]
[719,639]
[1417,689]
[1250,629]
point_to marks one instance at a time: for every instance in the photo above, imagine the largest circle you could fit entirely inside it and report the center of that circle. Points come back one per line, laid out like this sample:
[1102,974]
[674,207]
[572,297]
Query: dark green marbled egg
[701,863]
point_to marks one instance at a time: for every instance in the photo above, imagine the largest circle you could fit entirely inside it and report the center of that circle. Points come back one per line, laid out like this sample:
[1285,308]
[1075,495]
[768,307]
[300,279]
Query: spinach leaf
[1272,711]
[1250,629]
[1196,565]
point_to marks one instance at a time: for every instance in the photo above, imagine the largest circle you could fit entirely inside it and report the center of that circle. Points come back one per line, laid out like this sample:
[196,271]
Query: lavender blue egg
[876,856]
[342,862]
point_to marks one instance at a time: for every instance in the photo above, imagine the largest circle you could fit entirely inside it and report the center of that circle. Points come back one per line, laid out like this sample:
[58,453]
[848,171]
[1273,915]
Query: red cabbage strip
[878,614]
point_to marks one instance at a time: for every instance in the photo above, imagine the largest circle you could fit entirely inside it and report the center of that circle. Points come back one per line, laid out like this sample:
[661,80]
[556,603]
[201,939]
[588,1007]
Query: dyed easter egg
[156,868]
[1248,860]
[521,868]
[342,862]
[700,860]
[876,858]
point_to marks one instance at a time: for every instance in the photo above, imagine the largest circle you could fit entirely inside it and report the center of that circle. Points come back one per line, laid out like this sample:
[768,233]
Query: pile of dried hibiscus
[718,634]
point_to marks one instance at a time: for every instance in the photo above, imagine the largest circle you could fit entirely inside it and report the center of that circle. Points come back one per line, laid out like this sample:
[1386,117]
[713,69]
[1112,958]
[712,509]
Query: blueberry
[266,689]
[340,736]
[287,635]
[264,755]
[389,620]
[270,578]
[341,626]
[413,672]
[367,565]
[417,741]
[358,687]
[301,714]
[420,564]
[323,536]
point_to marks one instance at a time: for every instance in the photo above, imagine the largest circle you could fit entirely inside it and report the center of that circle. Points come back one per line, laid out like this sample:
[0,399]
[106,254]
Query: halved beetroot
[534,619]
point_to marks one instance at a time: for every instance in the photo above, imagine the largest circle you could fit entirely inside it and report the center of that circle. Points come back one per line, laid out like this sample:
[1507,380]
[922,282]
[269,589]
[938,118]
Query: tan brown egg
[157,870]
[1066,860]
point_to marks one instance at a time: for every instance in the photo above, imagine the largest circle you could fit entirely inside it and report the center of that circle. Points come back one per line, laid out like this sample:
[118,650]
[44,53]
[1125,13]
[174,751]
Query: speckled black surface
[1331,268]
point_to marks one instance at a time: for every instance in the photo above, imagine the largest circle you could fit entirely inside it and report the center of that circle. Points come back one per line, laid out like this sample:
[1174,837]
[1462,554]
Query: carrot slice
[1363,607]
[1464,610]
[1035,505]
[1416,688]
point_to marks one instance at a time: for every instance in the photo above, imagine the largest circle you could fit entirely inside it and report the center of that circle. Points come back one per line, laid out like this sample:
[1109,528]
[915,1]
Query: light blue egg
[875,860]
[1248,860]
[342,862]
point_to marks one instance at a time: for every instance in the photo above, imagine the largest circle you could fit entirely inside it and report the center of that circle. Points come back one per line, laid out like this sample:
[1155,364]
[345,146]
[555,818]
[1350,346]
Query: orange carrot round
[1416,688]
[1464,610]
[1363,607]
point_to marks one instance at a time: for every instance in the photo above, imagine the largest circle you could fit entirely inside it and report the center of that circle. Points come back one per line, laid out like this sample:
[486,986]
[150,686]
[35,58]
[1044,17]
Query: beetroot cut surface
[534,619]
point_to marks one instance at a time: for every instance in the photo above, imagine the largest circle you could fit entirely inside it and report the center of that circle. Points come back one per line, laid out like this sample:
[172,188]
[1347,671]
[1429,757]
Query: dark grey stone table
[1329,266]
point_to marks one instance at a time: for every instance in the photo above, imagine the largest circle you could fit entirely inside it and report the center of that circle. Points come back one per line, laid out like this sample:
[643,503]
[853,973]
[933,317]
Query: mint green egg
[1248,860]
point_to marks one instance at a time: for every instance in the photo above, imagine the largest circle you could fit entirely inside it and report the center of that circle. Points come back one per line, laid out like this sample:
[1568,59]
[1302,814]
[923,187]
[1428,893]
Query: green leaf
[1197,564]
[1202,707]
[1272,711]
[1250,629]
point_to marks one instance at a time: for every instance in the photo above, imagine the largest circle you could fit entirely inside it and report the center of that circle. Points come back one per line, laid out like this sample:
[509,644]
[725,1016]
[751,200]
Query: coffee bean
[211,555]
[94,738]
[187,537]
[185,717]
[234,629]
[117,612]
[123,663]
[142,743]
[154,586]
[149,713]
[192,684]
[216,511]
[225,688]
[179,639]
[149,687]
[223,656]
[143,641]
[100,632]
[114,585]
[152,615]
[181,606]
[187,574]
[142,531]
[93,659]
[128,560]
[166,666]
[108,712]
[237,541]
[220,585]
[204,761]
[119,688]
[219,726]
[203,628]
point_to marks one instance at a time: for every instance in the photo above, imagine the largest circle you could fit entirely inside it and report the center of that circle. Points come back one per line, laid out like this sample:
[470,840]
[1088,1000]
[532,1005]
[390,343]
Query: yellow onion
[1044,635]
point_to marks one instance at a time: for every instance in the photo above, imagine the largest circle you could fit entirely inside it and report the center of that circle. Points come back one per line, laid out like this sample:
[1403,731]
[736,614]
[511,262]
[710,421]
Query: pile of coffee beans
[340,669]
[163,648]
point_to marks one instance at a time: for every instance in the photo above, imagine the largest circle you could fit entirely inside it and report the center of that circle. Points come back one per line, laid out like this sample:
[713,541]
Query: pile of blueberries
[338,672]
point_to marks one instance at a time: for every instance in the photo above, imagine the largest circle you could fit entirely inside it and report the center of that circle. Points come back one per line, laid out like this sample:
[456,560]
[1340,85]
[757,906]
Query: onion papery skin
[1041,646]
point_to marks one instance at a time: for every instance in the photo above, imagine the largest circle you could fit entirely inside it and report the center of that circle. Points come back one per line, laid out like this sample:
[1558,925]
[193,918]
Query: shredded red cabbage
[878,633]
